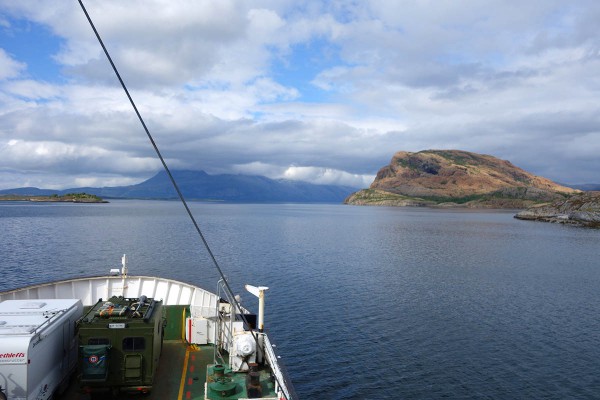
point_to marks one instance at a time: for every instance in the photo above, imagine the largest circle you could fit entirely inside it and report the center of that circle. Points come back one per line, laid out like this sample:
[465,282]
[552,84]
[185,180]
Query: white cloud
[328,176]
[32,90]
[326,91]
[44,155]
[103,181]
[317,175]
[9,68]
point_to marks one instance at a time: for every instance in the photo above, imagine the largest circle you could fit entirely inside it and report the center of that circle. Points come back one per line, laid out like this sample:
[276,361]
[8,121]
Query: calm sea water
[364,303]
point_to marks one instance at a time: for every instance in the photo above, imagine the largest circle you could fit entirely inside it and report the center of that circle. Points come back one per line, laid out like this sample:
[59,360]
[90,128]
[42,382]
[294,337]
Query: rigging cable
[228,289]
[158,153]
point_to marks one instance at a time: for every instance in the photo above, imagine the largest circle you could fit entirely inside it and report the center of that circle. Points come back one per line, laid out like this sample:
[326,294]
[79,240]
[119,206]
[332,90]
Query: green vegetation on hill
[80,196]
[516,199]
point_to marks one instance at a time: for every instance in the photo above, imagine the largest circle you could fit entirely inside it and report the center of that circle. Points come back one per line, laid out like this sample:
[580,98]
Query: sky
[320,91]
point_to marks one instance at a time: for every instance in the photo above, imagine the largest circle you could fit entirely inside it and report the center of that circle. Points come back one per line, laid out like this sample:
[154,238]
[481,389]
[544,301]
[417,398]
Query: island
[55,198]
[457,178]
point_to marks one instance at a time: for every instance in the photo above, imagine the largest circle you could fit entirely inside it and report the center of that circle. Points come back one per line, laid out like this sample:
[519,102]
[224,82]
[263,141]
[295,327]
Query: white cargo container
[38,346]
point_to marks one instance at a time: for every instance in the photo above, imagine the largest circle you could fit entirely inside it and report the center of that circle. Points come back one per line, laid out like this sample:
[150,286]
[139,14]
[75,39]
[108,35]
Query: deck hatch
[132,367]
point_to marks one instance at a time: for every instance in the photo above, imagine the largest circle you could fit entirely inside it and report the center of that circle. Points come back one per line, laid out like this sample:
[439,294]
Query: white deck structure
[202,302]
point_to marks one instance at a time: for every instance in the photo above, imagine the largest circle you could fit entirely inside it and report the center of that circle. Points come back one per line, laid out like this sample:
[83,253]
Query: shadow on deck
[181,374]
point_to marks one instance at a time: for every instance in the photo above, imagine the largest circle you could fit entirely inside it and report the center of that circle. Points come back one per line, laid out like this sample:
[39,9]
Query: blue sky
[34,45]
[324,91]
[302,64]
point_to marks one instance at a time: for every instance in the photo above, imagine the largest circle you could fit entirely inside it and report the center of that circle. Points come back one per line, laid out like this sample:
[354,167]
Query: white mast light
[124,263]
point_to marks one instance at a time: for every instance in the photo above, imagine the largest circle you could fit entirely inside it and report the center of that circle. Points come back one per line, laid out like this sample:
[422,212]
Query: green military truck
[120,341]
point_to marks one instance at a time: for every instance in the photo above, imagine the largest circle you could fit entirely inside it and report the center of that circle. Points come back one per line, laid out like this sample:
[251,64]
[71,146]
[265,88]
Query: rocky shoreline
[509,198]
[582,209]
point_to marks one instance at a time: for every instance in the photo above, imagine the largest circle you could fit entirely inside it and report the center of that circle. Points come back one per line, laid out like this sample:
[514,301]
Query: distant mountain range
[198,185]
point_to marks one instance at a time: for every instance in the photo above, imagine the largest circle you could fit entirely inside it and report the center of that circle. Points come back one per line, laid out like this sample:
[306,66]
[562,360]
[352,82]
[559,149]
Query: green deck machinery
[120,341]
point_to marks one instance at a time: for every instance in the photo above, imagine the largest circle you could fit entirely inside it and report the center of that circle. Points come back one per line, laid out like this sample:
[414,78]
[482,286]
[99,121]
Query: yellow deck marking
[183,373]
[183,324]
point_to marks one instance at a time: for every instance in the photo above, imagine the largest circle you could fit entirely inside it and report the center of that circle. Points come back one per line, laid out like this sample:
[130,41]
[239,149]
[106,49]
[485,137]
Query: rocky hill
[457,178]
[581,209]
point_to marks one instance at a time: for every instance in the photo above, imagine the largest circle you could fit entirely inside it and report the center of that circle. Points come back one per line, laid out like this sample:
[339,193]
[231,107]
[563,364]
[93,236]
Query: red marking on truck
[12,355]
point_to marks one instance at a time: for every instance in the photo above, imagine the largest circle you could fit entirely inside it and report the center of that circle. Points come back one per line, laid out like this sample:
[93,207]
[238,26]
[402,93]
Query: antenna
[260,293]
[124,263]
